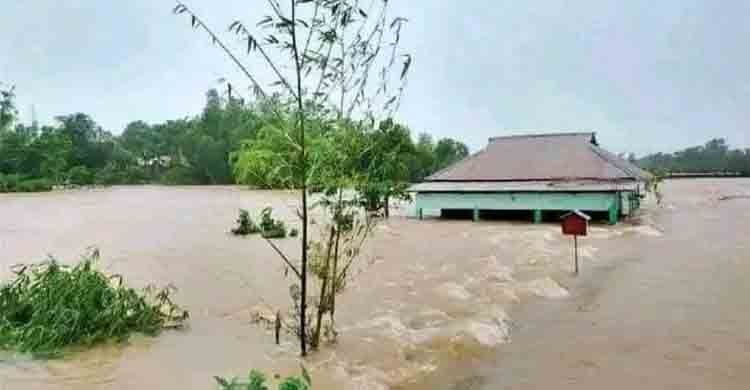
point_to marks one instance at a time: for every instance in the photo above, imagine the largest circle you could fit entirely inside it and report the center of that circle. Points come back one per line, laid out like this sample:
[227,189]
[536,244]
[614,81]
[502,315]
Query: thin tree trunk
[334,284]
[322,306]
[387,208]
[303,179]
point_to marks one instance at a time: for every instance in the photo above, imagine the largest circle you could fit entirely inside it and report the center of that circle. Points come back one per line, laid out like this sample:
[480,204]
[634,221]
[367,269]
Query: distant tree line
[715,157]
[209,148]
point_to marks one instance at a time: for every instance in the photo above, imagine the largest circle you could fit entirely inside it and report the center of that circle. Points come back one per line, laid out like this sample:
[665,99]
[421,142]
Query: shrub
[80,175]
[18,183]
[293,232]
[9,183]
[49,306]
[269,227]
[178,175]
[245,224]
[34,185]
[256,380]
[111,174]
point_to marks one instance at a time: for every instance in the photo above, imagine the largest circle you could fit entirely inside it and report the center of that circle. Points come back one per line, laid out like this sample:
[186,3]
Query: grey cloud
[646,75]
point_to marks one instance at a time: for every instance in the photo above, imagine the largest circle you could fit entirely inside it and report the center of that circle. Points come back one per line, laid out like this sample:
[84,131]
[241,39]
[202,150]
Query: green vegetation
[339,76]
[332,257]
[270,227]
[229,142]
[49,306]
[714,157]
[245,225]
[17,183]
[256,380]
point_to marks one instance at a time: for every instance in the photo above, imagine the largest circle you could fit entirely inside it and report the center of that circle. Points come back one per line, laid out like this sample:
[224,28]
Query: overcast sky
[646,75]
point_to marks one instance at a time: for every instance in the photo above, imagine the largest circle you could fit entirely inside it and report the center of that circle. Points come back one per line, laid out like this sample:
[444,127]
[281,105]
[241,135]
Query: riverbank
[16,183]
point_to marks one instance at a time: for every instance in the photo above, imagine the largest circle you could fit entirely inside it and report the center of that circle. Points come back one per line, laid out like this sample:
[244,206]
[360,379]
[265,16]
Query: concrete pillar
[613,214]
[420,213]
[537,216]
[476,215]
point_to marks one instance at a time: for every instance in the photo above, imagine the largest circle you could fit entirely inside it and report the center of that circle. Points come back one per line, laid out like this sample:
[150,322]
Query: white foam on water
[488,334]
[646,230]
[453,290]
[546,288]
[500,274]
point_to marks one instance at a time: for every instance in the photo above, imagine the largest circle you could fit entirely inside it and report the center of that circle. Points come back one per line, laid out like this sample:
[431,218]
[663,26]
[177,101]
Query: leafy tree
[424,158]
[91,145]
[267,160]
[233,140]
[8,110]
[140,139]
[13,152]
[715,156]
[388,157]
[448,151]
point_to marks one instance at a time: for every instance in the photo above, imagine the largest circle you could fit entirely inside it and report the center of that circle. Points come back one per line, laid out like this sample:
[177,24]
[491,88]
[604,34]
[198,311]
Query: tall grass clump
[256,380]
[48,306]
[270,227]
[245,225]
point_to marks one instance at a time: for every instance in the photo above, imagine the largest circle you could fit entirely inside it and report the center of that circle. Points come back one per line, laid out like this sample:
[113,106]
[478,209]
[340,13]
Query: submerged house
[542,174]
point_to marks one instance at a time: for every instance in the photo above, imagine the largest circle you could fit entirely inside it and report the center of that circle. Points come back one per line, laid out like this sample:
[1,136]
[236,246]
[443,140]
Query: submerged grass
[49,306]
[245,225]
[268,227]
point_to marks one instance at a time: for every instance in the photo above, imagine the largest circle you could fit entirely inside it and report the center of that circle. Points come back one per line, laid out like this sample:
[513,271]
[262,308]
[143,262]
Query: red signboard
[575,223]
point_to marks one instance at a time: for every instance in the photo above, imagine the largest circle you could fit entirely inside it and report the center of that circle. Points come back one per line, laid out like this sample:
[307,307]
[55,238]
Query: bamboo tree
[335,86]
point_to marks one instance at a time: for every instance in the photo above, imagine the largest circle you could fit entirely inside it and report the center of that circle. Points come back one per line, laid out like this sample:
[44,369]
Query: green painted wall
[591,201]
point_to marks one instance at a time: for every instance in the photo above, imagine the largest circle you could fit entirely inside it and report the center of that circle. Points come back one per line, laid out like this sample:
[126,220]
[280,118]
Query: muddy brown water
[660,303]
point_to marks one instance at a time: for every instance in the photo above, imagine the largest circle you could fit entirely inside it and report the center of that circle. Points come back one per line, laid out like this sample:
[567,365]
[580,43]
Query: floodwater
[661,302]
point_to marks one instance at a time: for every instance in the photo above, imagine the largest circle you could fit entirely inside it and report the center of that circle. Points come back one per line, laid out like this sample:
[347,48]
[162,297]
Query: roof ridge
[601,153]
[543,135]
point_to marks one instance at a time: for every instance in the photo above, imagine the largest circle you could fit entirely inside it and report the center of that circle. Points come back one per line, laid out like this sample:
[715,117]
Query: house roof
[525,186]
[541,157]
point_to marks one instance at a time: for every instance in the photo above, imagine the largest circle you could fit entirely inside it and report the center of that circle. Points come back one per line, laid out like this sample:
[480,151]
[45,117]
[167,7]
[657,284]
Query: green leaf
[266,20]
[236,26]
[222,382]
[407,64]
[363,13]
[272,39]
[390,101]
[251,43]
[285,22]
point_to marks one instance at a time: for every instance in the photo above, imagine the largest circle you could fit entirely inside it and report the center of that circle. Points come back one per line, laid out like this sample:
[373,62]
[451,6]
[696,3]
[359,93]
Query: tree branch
[270,62]
[310,34]
[283,257]
[181,7]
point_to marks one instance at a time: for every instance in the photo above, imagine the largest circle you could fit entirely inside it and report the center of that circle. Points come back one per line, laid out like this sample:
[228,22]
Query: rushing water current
[661,302]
